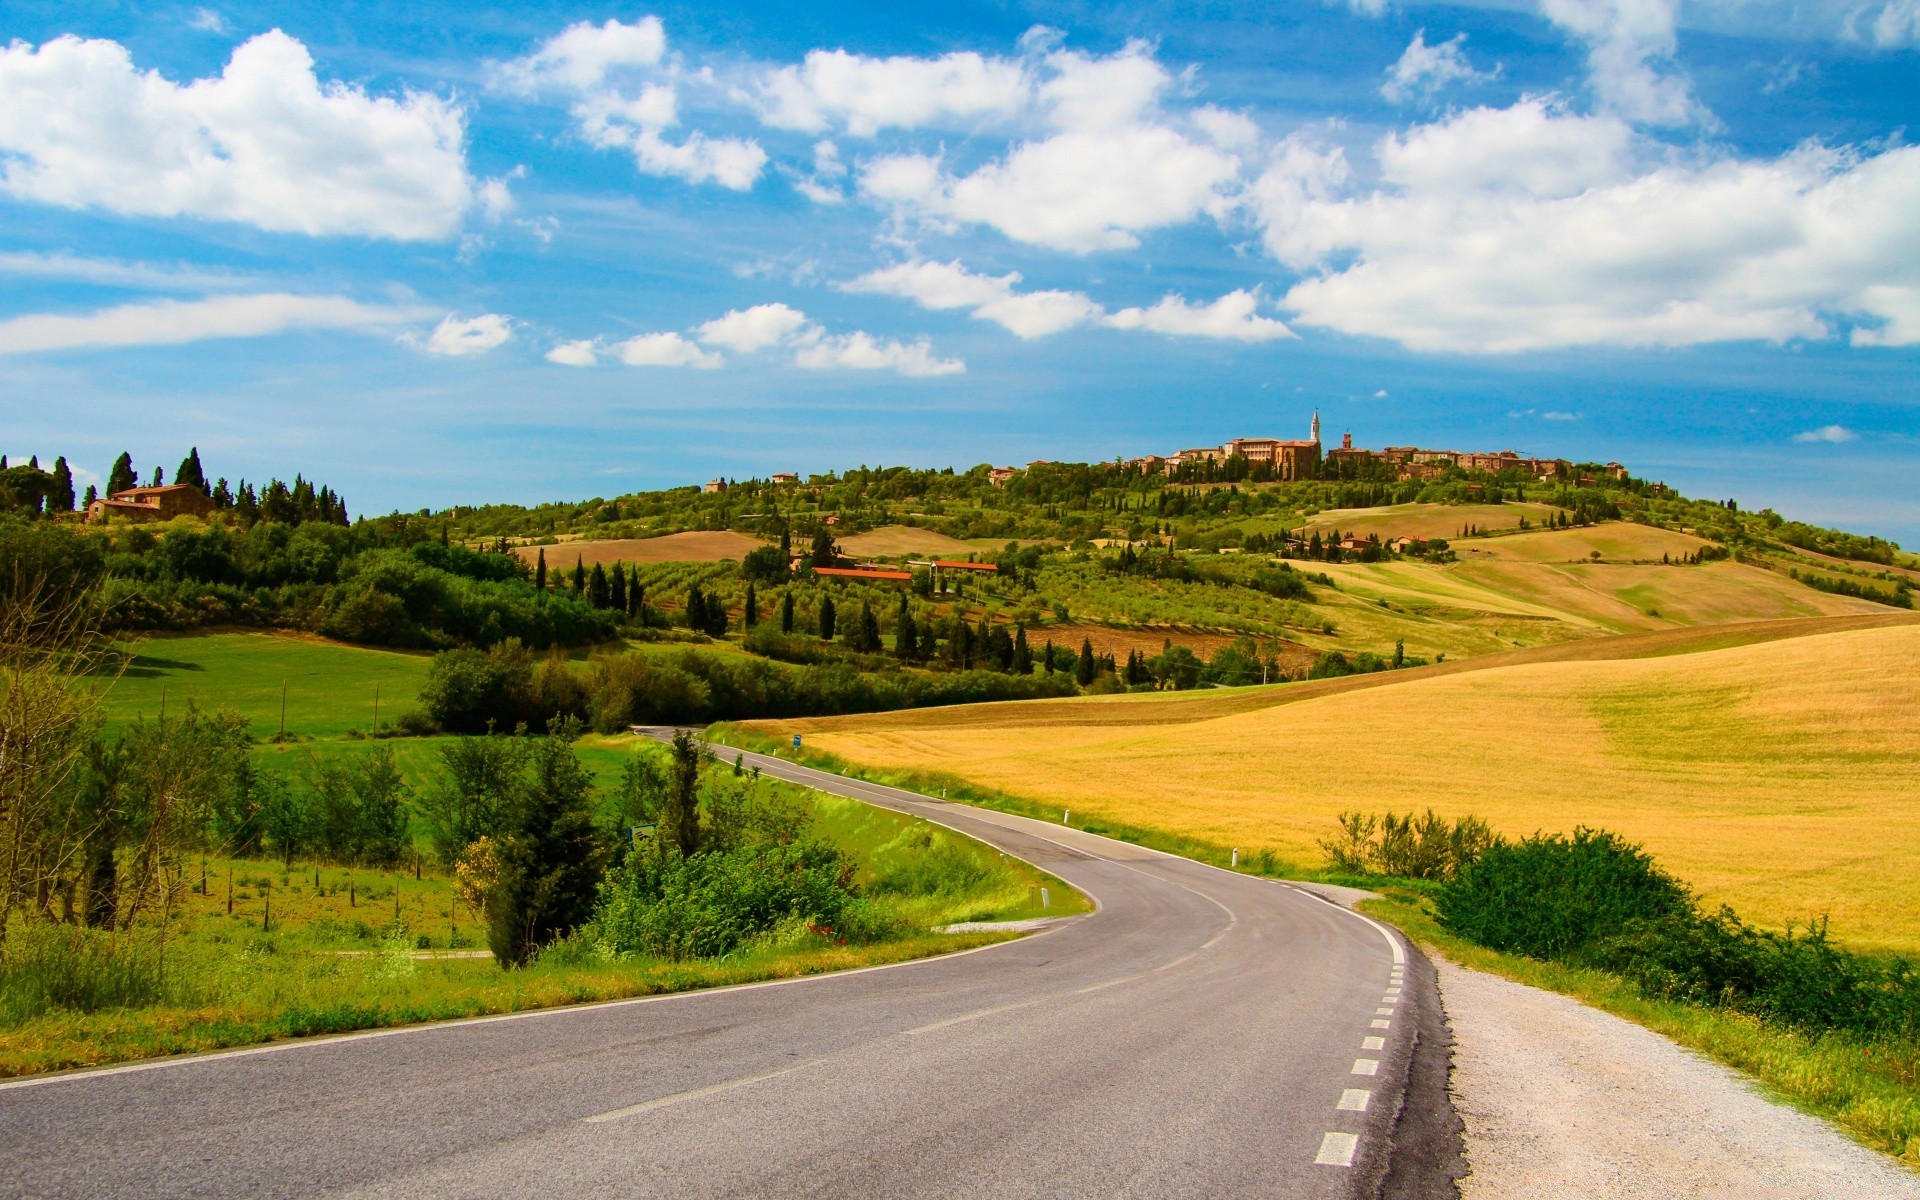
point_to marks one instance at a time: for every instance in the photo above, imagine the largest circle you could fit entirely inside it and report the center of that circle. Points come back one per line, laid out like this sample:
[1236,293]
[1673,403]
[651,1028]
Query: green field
[329,688]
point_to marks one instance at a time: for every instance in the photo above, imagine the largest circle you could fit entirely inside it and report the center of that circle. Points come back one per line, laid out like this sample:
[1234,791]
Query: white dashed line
[1382,1012]
[1354,1100]
[1336,1150]
[1366,1066]
[1373,1043]
[1383,1025]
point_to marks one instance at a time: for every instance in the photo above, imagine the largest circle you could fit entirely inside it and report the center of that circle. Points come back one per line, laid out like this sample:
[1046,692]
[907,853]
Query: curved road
[1202,1034]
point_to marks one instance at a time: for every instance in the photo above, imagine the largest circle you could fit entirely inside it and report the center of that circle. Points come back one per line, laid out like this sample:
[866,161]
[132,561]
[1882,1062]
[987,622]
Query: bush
[50,967]
[1408,847]
[1549,896]
[471,691]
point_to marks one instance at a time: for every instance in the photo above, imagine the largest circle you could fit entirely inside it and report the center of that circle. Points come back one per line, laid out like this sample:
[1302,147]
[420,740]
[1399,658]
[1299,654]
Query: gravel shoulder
[1562,1100]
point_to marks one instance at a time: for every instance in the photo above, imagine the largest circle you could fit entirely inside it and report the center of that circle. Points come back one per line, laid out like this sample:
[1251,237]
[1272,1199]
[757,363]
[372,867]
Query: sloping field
[1625,597]
[1614,541]
[1426,520]
[891,540]
[1780,774]
[706,546]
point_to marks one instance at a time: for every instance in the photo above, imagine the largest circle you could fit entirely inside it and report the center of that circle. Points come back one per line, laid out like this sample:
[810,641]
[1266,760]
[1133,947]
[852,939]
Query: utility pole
[376,710]
[283,710]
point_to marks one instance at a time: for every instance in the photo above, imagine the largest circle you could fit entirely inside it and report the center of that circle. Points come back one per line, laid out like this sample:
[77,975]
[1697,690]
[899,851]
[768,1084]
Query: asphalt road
[1202,1034]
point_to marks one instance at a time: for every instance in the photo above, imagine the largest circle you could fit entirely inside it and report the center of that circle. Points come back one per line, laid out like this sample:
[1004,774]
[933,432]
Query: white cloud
[1381,394]
[665,350]
[581,56]
[1559,416]
[625,96]
[1834,434]
[756,328]
[1423,70]
[1114,167]
[1896,24]
[113,272]
[1629,47]
[866,95]
[456,338]
[206,20]
[583,353]
[1233,317]
[860,351]
[1507,230]
[263,143]
[177,322]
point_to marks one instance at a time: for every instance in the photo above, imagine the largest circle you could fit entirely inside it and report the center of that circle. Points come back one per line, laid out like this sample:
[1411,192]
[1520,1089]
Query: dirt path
[1562,1100]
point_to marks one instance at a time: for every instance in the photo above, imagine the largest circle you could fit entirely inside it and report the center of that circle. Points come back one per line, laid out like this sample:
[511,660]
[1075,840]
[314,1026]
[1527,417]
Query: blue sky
[448,255]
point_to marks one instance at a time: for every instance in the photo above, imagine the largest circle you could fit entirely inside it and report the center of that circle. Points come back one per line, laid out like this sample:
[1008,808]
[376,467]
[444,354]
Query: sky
[442,254]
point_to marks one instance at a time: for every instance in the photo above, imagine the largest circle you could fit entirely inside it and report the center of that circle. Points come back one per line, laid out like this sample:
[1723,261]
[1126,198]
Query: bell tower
[1315,439]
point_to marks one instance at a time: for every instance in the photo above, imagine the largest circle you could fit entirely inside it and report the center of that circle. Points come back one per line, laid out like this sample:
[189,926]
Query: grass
[1425,520]
[256,951]
[703,547]
[1779,777]
[329,686]
[891,541]
[1870,1089]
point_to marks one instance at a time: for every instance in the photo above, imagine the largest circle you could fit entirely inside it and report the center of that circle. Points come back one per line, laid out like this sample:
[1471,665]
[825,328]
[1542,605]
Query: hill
[1778,776]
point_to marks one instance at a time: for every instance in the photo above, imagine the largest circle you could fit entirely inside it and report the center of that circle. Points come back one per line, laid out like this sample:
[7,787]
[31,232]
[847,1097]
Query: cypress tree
[159,478]
[680,813]
[823,554]
[750,614]
[786,612]
[90,497]
[1047,657]
[579,576]
[1022,656]
[869,637]
[637,598]
[599,590]
[906,642]
[618,599]
[551,856]
[1088,666]
[826,617]
[696,609]
[121,476]
[190,472]
[540,570]
[716,617]
[60,499]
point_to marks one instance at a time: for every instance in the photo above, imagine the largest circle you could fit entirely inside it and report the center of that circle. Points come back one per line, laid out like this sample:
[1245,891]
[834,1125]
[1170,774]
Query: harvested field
[1426,520]
[1613,541]
[710,546]
[890,541]
[1778,774]
[1147,639]
[1627,597]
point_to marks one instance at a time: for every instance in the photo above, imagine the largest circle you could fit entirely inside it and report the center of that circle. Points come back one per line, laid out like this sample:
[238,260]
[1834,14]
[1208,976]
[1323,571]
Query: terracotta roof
[862,573]
[965,566]
[162,490]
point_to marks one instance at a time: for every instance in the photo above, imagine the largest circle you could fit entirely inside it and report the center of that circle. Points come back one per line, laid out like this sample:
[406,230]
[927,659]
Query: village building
[715,485]
[998,476]
[152,504]
[783,477]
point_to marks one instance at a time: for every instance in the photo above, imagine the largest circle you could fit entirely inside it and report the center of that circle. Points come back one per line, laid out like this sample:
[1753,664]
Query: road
[1201,1034]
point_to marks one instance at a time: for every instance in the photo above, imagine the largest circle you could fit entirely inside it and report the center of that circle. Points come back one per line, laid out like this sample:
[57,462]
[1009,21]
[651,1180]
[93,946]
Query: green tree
[823,552]
[363,808]
[750,614]
[696,609]
[1022,653]
[866,634]
[826,617]
[552,858]
[60,499]
[599,590]
[906,639]
[680,807]
[786,612]
[474,796]
[617,598]
[1088,666]
[121,476]
[288,823]
[540,571]
[579,576]
[191,473]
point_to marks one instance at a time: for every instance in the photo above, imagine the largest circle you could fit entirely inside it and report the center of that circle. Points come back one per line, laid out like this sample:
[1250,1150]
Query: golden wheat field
[1781,777]
[891,540]
[707,546]
[1426,520]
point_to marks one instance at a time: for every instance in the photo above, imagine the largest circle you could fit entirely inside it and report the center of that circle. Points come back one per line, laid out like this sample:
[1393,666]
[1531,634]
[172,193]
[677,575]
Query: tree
[1046,656]
[552,857]
[1022,654]
[716,625]
[540,571]
[190,472]
[823,552]
[826,617]
[288,822]
[786,612]
[866,635]
[750,614]
[363,803]
[121,476]
[680,807]
[617,598]
[696,609]
[579,576]
[1086,669]
[906,642]
[159,477]
[599,590]
[60,499]
[475,796]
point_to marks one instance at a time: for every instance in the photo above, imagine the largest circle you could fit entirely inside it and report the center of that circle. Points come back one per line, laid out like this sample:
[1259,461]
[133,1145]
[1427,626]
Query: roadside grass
[1869,1087]
[1778,777]
[257,951]
[329,686]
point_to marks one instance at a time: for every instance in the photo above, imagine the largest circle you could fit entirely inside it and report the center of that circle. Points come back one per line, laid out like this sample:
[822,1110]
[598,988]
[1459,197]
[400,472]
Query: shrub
[471,691]
[1409,847]
[1549,895]
[551,857]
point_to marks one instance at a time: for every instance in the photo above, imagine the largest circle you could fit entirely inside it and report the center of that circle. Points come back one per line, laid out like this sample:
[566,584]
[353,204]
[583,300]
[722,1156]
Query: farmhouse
[783,477]
[152,504]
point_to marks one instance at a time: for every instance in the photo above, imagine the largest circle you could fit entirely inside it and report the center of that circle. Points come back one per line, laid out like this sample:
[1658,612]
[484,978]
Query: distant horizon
[458,256]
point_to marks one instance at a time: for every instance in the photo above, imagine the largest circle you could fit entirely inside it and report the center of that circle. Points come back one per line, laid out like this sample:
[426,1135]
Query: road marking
[1354,1100]
[1366,1066]
[1383,1012]
[1373,1043]
[1336,1150]
[1383,1024]
[972,1016]
[634,1110]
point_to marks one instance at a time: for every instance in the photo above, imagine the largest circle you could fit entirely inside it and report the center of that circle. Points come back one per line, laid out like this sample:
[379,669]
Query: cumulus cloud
[1233,317]
[860,351]
[1526,228]
[665,350]
[1896,24]
[864,95]
[1630,45]
[1423,70]
[1114,166]
[456,338]
[264,143]
[1029,315]
[177,322]
[756,328]
[1833,434]
[624,96]
[582,353]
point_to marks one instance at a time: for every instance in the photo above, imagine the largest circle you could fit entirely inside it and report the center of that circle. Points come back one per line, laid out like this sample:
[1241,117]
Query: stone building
[152,504]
